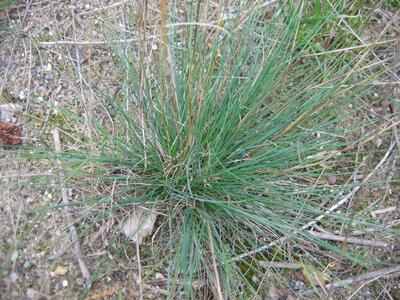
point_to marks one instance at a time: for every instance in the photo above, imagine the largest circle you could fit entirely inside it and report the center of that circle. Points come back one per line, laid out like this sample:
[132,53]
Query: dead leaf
[10,134]
[104,294]
[139,224]
[60,271]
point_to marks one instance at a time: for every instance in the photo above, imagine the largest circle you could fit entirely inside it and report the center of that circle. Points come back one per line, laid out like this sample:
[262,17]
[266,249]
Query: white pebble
[21,95]
[48,67]
[13,277]
[30,293]
[64,283]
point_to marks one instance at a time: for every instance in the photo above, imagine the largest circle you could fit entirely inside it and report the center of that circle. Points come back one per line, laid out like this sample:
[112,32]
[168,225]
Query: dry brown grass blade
[72,230]
[214,265]
[347,239]
[392,272]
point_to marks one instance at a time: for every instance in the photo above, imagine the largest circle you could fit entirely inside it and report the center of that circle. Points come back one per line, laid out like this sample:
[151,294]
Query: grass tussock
[227,126]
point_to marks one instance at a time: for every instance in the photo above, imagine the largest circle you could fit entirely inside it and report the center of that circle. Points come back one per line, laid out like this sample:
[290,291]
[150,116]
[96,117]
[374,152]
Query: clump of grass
[5,4]
[225,128]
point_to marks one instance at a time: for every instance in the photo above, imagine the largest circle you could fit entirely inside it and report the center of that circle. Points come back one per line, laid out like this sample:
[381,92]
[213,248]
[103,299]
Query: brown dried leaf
[10,134]
[60,270]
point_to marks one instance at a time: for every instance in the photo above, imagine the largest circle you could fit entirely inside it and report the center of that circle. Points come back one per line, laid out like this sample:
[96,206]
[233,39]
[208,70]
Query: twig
[139,279]
[214,264]
[375,275]
[61,42]
[24,175]
[350,48]
[383,211]
[278,265]
[351,240]
[343,201]
[72,229]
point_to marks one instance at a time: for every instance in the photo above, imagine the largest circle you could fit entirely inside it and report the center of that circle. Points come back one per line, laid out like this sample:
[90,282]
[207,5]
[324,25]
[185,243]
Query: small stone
[14,256]
[27,265]
[159,276]
[298,285]
[80,281]
[48,67]
[60,271]
[7,111]
[331,179]
[21,95]
[58,89]
[13,277]
[378,142]
[64,283]
[20,269]
[30,293]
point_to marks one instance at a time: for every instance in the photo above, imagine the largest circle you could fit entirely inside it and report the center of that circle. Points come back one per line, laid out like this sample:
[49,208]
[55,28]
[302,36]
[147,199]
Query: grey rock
[31,293]
[13,277]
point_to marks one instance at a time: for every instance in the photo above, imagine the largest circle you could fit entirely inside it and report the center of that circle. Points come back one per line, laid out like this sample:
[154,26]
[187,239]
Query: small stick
[351,240]
[61,42]
[383,211]
[392,272]
[139,280]
[24,175]
[214,264]
[72,229]
[279,265]
[350,48]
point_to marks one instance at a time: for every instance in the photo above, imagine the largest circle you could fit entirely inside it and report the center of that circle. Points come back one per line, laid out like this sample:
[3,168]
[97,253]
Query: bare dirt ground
[52,55]
[35,260]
